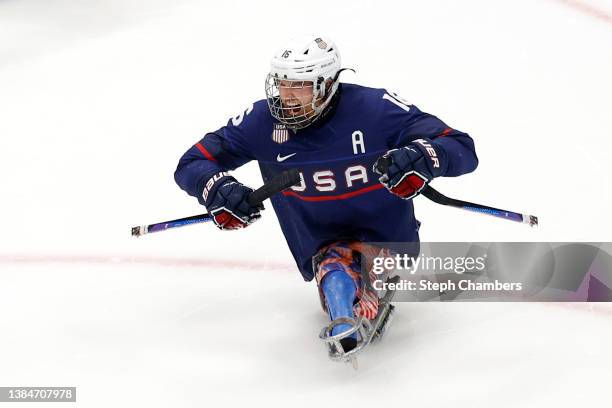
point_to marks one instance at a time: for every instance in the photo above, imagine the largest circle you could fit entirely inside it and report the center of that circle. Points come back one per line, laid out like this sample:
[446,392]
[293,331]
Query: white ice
[98,100]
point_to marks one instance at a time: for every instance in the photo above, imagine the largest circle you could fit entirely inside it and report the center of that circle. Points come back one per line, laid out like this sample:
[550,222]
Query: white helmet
[301,63]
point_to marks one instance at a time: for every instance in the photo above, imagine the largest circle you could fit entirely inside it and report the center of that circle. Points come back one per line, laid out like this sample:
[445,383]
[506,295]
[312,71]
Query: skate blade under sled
[366,331]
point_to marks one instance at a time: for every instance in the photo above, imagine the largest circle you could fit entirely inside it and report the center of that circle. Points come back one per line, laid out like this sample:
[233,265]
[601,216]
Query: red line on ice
[588,9]
[142,259]
[600,309]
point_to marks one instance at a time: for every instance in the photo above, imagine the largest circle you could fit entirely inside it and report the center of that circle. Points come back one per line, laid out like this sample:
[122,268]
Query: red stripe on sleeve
[446,132]
[205,152]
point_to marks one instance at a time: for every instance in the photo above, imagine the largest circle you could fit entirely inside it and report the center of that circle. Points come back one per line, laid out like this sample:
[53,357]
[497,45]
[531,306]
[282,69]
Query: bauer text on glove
[407,170]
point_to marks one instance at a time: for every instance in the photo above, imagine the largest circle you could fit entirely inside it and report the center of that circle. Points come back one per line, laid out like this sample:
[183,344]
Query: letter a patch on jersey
[280,134]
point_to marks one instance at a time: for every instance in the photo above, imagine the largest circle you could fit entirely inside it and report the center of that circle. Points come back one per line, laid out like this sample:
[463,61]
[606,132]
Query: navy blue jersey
[339,196]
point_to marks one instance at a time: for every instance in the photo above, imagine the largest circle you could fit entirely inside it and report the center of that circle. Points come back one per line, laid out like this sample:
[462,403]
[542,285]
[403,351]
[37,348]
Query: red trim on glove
[408,186]
[228,221]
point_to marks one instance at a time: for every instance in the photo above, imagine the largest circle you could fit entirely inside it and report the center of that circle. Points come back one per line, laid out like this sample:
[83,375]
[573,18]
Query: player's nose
[288,92]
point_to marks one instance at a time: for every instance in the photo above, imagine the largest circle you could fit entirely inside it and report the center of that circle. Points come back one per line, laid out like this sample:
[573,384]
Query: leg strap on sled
[361,329]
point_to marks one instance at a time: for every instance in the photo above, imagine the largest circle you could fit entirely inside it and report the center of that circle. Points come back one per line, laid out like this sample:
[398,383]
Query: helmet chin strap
[321,90]
[343,69]
[321,86]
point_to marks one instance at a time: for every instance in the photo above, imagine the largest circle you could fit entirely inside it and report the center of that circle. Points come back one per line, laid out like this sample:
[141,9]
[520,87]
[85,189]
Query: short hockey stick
[440,198]
[277,184]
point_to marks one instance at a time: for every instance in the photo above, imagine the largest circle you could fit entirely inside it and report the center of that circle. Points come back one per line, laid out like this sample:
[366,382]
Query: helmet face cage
[292,112]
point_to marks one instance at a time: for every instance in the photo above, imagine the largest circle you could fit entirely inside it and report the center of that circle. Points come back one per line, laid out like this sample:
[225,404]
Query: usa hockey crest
[322,44]
[280,134]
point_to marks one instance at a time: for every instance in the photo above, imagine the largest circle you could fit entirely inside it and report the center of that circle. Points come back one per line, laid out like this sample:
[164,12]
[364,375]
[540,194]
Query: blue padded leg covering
[339,290]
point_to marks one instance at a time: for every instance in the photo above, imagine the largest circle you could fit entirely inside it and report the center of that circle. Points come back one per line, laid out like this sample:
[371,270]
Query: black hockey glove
[407,170]
[226,201]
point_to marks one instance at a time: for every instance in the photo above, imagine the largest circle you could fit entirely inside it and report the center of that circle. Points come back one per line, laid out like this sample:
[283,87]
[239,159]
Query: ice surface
[99,99]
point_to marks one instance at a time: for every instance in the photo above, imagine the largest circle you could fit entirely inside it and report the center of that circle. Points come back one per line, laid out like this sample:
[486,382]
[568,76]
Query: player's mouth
[293,108]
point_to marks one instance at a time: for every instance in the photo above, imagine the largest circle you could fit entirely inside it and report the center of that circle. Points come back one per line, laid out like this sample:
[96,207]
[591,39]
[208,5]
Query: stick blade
[532,220]
[139,230]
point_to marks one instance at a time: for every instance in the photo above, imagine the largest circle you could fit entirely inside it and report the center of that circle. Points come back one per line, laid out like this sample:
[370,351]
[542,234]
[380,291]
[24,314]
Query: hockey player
[336,134]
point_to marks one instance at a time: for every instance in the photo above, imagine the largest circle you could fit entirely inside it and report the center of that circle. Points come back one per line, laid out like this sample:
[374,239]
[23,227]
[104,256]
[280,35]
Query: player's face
[296,97]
